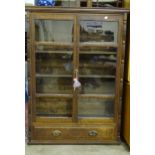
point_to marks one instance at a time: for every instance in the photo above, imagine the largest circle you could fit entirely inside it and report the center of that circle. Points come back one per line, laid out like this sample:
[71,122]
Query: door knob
[76,82]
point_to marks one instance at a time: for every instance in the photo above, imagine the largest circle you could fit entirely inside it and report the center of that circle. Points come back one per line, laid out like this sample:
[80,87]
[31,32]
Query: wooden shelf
[92,44]
[80,76]
[94,115]
[54,95]
[97,52]
[105,96]
[53,115]
[81,52]
[59,52]
[97,76]
[57,44]
[76,10]
[92,66]
[53,76]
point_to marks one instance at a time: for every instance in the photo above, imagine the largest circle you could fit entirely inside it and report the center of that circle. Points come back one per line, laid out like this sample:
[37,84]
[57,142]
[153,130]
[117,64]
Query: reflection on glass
[54,30]
[98,31]
[53,107]
[55,85]
[54,63]
[97,64]
[97,85]
[93,107]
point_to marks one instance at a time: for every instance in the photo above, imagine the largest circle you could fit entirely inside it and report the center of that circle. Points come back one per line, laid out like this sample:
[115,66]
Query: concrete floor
[77,150]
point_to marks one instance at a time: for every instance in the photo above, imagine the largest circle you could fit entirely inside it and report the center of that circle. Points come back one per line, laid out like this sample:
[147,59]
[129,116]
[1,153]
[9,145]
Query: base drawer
[73,133]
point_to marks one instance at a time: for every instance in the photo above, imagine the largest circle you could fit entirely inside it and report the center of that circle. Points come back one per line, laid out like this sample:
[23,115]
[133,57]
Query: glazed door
[53,58]
[87,48]
[98,66]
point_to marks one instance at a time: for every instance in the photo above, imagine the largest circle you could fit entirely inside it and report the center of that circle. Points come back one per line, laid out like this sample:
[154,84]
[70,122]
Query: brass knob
[56,133]
[92,133]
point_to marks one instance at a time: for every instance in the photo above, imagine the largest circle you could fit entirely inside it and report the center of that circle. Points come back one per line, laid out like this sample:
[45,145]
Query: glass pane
[98,64]
[54,63]
[55,85]
[95,31]
[97,71]
[54,30]
[53,107]
[97,85]
[93,107]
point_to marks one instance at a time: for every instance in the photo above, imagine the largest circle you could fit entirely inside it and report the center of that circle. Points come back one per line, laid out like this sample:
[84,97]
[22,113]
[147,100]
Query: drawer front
[74,133]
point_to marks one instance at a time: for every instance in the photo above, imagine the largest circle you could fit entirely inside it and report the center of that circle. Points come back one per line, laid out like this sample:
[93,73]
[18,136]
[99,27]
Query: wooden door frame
[32,49]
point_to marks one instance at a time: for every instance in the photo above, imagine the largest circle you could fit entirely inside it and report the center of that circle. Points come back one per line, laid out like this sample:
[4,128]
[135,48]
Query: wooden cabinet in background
[126,113]
[69,47]
[126,100]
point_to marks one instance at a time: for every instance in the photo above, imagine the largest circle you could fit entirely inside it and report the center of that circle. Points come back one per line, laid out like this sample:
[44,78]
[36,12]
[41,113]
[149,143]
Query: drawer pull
[56,133]
[92,133]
